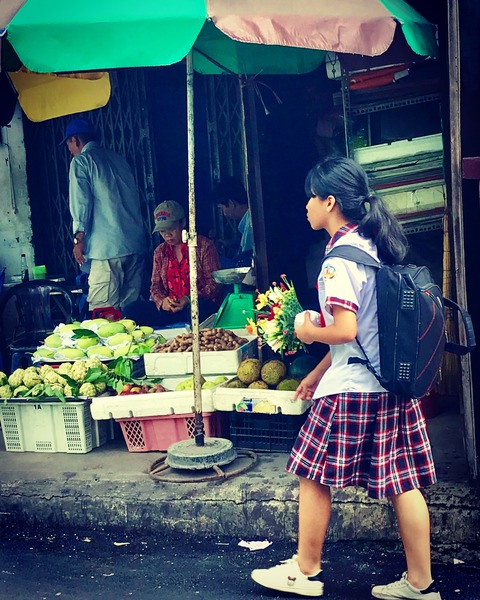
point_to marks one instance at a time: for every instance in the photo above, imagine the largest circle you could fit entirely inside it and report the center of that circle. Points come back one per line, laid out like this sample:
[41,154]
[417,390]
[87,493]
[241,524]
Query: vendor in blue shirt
[108,231]
[230,196]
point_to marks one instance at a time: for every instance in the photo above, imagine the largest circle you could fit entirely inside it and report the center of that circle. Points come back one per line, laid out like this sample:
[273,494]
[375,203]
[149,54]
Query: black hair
[229,188]
[346,180]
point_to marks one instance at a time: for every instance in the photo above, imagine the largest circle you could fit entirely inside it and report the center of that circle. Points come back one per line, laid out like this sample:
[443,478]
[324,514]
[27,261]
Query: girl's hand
[307,332]
[307,386]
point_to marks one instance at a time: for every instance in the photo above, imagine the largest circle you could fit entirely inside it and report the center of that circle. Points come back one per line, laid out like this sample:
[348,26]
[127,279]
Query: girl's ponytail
[381,226]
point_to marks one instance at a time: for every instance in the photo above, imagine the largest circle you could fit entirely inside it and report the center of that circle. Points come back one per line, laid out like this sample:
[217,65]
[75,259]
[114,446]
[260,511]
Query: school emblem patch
[329,272]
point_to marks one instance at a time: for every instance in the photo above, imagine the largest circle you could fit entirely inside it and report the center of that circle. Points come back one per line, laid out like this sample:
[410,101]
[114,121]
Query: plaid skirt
[373,440]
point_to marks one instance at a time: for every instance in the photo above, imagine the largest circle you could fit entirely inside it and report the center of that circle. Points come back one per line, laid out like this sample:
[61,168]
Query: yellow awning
[47,96]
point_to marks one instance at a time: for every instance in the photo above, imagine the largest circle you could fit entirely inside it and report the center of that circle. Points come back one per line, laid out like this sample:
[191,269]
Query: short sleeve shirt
[245,228]
[345,283]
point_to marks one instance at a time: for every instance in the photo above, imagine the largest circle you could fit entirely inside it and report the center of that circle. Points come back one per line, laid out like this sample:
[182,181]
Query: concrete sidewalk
[110,487]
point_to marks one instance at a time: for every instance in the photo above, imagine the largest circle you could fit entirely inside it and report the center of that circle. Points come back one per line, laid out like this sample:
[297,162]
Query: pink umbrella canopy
[361,27]
[8,9]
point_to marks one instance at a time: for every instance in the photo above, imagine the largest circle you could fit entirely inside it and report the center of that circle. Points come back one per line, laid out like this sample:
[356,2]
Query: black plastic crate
[274,433]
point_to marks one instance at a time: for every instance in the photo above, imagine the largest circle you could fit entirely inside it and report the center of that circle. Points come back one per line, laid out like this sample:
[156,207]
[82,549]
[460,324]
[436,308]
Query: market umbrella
[55,36]
[242,36]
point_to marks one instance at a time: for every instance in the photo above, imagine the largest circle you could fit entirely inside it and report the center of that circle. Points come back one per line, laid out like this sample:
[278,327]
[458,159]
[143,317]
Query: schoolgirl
[356,433]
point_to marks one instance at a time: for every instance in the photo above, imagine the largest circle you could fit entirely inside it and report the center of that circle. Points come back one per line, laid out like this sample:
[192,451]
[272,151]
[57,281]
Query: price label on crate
[253,405]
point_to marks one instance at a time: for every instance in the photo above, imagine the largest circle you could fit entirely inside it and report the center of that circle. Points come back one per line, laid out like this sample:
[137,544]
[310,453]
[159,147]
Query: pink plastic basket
[158,433]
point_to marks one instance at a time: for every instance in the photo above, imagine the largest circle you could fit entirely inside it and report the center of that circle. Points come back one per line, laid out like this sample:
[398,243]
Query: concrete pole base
[187,455]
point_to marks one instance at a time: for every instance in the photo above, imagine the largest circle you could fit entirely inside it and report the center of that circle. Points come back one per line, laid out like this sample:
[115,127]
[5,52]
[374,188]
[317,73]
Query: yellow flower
[262,301]
[251,326]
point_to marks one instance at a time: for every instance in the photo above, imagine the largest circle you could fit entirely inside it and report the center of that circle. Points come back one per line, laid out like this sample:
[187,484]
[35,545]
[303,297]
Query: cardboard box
[161,364]
[248,400]
[154,404]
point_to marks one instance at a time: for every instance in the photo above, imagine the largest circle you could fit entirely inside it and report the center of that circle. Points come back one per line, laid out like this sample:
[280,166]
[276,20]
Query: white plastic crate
[154,404]
[160,364]
[400,149]
[247,399]
[52,427]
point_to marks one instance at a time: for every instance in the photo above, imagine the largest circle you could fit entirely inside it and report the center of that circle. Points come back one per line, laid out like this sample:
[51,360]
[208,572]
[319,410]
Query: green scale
[238,305]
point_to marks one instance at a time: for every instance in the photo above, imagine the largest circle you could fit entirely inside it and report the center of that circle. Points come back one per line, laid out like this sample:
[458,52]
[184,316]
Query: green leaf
[49,391]
[71,382]
[94,375]
[35,391]
[82,333]
[123,367]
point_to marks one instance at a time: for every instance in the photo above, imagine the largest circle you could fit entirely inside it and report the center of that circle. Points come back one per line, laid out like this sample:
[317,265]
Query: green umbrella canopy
[248,37]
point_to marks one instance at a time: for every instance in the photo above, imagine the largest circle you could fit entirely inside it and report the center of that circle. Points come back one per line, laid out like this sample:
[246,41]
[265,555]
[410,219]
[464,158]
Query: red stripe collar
[340,233]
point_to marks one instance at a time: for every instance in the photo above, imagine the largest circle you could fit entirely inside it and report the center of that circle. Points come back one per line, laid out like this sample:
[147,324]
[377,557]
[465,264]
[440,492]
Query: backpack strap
[361,257]
[354,254]
[459,349]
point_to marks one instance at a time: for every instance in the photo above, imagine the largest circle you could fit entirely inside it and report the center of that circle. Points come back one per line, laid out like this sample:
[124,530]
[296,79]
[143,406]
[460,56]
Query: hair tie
[368,199]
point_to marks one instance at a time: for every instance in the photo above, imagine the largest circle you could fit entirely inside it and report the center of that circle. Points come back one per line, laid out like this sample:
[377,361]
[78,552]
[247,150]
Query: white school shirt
[351,285]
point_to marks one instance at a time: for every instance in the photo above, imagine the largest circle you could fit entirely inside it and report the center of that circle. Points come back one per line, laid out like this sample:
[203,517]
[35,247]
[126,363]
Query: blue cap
[77,126]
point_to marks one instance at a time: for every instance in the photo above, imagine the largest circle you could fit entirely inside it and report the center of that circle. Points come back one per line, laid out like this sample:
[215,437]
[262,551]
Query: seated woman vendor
[170,289]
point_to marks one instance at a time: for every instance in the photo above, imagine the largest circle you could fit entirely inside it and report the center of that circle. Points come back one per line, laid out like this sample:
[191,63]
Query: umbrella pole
[192,256]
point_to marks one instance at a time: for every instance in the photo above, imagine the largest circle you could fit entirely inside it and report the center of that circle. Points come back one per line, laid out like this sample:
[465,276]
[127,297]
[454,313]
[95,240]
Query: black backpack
[411,325]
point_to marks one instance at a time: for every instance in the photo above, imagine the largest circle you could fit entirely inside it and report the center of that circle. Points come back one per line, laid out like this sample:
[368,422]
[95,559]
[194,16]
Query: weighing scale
[238,305]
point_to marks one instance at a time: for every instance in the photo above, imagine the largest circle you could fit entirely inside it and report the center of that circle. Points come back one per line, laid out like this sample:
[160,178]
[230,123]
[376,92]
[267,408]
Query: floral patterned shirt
[171,277]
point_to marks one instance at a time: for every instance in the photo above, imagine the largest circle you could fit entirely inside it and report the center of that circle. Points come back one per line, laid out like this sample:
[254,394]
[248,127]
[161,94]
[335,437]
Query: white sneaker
[287,577]
[402,590]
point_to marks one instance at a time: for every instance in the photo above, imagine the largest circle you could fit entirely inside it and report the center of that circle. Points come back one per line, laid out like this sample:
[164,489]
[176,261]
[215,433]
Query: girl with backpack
[357,433]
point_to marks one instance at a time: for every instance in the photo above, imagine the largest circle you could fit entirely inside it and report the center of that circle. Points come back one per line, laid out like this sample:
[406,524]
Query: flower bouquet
[276,311]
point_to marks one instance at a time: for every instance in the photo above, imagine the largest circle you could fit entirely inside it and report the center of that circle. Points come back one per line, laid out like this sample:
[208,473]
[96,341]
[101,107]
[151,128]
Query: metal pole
[192,257]
[457,225]
[255,187]
[347,115]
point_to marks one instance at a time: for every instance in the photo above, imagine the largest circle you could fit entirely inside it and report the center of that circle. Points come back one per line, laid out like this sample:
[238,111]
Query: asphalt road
[95,565]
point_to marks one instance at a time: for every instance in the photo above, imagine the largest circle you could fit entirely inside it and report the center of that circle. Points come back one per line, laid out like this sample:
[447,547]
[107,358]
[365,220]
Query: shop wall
[289,147]
[15,222]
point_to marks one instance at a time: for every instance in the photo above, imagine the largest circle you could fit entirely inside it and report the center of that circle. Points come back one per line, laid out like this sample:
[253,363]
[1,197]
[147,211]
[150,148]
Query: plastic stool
[108,312]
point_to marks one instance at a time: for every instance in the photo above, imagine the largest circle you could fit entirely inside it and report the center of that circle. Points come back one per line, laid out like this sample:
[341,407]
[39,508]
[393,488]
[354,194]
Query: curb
[260,503]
